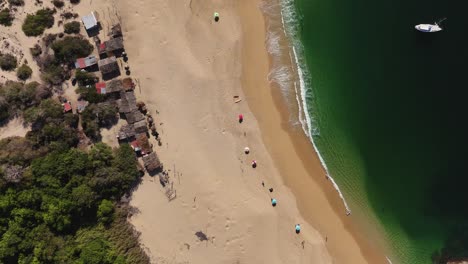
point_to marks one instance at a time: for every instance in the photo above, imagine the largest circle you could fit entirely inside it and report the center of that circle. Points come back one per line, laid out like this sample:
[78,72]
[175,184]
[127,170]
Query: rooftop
[86,62]
[108,65]
[111,45]
[152,162]
[134,116]
[90,21]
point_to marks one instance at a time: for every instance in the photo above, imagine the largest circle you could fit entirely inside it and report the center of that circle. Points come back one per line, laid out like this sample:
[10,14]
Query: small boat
[429,27]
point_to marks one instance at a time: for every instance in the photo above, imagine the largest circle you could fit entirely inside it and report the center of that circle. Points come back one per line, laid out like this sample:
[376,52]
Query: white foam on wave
[285,76]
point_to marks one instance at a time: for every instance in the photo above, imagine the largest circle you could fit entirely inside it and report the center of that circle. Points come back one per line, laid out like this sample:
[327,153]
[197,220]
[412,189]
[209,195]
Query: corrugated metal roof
[89,21]
[82,63]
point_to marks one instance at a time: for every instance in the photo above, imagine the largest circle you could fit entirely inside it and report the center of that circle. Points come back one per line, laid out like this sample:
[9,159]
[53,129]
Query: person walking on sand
[298,228]
[254,164]
[241,118]
[273,202]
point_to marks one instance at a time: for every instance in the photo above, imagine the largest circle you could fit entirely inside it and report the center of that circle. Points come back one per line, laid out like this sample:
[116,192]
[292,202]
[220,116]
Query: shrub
[34,25]
[5,17]
[75,2]
[69,15]
[24,72]
[58,3]
[36,50]
[8,62]
[70,48]
[16,2]
[72,27]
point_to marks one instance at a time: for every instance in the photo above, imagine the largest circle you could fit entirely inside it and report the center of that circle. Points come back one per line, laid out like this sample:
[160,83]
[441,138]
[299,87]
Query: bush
[75,2]
[5,17]
[70,48]
[58,3]
[8,62]
[24,72]
[69,15]
[72,27]
[36,50]
[34,25]
[16,2]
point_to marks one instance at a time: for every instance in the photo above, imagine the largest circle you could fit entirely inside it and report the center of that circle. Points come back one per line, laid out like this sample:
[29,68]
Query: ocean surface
[387,108]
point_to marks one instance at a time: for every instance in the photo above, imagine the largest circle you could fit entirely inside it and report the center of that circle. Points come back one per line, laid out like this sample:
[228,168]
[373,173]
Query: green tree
[24,72]
[57,215]
[8,62]
[73,27]
[34,25]
[70,48]
[6,17]
[16,2]
[58,3]
[105,211]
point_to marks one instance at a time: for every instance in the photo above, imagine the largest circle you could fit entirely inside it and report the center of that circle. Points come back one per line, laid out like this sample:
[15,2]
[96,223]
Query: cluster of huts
[119,91]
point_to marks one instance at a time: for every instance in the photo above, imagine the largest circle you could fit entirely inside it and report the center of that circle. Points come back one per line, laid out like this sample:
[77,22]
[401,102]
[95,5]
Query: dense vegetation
[8,62]
[72,27]
[70,48]
[34,25]
[24,72]
[6,17]
[16,2]
[58,3]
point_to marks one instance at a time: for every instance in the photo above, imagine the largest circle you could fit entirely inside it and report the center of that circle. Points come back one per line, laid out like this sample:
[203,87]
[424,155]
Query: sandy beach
[189,70]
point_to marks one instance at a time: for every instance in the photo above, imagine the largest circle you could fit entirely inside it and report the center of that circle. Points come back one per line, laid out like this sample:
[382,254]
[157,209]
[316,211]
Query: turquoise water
[390,105]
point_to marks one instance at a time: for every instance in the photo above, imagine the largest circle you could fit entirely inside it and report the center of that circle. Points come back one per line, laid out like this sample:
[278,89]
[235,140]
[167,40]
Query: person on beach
[216,16]
[271,189]
[273,202]
[298,228]
[263,184]
[241,118]
[254,164]
[246,150]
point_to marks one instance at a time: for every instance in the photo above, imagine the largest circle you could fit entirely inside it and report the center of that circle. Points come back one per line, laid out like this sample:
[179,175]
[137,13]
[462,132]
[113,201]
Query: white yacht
[429,27]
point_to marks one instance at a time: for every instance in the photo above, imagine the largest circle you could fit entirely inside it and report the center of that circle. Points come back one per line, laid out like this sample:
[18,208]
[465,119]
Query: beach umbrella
[273,202]
[298,228]
[246,150]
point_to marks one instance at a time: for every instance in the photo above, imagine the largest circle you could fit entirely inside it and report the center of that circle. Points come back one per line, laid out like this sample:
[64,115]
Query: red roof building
[101,87]
[67,107]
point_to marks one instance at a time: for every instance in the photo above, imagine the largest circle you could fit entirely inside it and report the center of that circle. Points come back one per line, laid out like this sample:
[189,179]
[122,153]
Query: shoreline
[303,151]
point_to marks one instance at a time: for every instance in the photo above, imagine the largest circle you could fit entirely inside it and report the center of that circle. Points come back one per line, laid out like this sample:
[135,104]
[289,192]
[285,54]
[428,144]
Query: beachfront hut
[141,126]
[116,31]
[128,84]
[114,86]
[144,143]
[90,21]
[85,63]
[127,103]
[109,68]
[126,132]
[152,163]
[112,47]
[134,116]
[81,105]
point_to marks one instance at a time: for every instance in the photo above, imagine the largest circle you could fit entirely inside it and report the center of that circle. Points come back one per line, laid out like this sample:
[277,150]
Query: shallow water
[387,109]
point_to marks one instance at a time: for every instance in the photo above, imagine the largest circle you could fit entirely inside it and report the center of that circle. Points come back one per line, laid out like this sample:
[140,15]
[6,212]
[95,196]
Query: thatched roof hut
[109,66]
[134,116]
[114,86]
[144,143]
[152,162]
[141,126]
[128,84]
[127,103]
[113,44]
[126,132]
[116,31]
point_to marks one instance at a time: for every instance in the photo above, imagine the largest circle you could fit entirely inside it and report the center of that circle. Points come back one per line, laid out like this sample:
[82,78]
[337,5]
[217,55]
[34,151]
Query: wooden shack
[141,126]
[114,86]
[109,68]
[126,132]
[134,116]
[144,143]
[152,163]
[127,103]
[111,47]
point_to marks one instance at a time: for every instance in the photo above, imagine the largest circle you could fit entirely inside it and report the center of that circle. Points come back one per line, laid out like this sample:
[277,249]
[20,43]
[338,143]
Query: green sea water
[391,106]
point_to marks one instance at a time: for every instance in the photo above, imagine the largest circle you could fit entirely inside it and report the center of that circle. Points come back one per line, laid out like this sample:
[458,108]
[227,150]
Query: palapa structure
[113,46]
[109,67]
[126,132]
[152,163]
[116,31]
[134,116]
[127,103]
[114,86]
[144,143]
[128,84]
[141,126]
